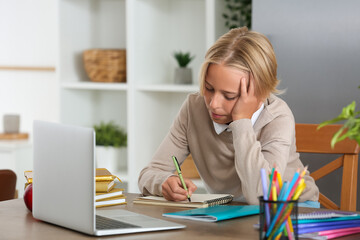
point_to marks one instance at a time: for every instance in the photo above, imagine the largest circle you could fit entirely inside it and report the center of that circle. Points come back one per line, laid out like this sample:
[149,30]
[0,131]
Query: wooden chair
[188,169]
[7,184]
[311,140]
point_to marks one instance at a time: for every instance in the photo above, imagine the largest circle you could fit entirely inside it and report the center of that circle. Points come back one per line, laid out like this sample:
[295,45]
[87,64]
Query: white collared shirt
[219,128]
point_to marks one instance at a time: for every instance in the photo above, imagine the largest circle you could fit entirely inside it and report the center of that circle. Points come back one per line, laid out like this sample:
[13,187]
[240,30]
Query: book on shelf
[111,201]
[197,200]
[216,213]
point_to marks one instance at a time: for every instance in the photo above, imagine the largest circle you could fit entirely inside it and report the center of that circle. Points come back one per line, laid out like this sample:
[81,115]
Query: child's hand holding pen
[174,188]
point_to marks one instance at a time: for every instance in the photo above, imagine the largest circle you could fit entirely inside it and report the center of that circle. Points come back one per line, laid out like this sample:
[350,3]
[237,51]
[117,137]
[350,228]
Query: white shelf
[147,104]
[94,86]
[11,145]
[168,88]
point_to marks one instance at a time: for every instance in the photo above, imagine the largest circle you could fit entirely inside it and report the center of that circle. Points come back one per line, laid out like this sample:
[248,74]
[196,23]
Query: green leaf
[350,128]
[238,11]
[334,139]
[183,59]
[332,121]
[234,17]
[346,113]
[110,134]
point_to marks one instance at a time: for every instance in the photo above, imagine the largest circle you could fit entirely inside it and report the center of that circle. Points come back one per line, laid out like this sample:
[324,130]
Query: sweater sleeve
[161,166]
[251,154]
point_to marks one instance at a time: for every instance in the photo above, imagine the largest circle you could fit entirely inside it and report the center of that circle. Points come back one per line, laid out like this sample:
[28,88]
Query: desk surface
[17,223]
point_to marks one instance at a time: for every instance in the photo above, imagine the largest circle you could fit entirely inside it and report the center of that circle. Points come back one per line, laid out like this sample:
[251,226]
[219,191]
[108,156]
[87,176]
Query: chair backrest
[311,140]
[189,169]
[7,184]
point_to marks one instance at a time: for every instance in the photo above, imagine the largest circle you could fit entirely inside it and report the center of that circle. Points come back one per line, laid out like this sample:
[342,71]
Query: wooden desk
[16,222]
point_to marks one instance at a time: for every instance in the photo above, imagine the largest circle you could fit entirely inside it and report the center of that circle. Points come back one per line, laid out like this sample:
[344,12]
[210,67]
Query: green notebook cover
[216,213]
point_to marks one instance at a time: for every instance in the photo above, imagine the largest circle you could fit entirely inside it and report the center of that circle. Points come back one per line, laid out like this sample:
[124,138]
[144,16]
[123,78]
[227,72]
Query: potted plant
[183,74]
[351,126]
[111,142]
[237,14]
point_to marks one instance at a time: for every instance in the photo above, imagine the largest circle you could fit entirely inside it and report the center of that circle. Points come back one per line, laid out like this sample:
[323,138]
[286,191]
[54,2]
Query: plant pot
[183,76]
[111,158]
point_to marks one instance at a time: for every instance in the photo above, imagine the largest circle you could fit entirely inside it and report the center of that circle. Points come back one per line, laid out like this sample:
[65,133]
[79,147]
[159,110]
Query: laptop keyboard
[108,223]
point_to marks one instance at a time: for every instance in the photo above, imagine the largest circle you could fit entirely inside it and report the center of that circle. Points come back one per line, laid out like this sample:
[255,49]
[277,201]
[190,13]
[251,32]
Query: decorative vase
[11,123]
[111,158]
[183,76]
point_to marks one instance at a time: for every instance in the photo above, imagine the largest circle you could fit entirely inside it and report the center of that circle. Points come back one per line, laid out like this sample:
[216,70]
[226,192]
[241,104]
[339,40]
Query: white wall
[317,45]
[28,37]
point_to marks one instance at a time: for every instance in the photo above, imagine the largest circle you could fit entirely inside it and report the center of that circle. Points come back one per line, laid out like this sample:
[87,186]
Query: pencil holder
[278,219]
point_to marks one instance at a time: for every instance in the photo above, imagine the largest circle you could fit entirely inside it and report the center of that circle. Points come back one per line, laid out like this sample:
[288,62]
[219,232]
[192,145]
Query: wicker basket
[105,65]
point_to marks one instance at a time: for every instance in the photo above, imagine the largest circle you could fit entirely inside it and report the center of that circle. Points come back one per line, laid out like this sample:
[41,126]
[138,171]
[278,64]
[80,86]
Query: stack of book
[328,224]
[108,193]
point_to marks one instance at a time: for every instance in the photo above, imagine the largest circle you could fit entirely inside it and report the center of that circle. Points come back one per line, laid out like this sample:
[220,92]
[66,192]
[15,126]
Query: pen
[180,176]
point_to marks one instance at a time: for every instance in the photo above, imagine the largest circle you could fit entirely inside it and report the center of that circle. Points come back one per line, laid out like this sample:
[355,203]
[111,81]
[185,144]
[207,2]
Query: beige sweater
[231,161]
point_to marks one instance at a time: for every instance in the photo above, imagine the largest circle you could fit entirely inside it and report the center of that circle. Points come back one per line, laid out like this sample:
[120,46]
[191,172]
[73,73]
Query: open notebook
[197,200]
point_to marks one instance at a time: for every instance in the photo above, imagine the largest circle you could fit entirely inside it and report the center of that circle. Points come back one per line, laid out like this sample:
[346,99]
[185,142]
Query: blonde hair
[247,51]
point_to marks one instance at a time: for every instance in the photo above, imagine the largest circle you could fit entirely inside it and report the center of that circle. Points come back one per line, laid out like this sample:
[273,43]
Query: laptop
[64,185]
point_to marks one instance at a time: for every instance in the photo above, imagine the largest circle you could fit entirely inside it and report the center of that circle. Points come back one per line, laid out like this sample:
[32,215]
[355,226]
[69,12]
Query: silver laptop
[64,185]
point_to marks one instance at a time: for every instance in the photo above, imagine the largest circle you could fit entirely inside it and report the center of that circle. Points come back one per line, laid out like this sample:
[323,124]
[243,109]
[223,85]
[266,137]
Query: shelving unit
[150,31]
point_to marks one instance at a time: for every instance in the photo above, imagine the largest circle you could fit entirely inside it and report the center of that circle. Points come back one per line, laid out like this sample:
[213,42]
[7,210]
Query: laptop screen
[64,170]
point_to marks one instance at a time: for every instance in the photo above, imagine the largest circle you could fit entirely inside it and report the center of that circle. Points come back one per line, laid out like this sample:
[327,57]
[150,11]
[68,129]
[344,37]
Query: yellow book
[122,196]
[102,174]
[111,201]
[113,193]
[104,186]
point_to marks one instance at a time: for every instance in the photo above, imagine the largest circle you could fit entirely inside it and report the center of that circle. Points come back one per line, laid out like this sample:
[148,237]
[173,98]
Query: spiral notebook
[197,200]
[325,215]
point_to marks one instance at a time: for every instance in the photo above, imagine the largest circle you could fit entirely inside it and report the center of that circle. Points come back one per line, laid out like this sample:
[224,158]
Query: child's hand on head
[247,103]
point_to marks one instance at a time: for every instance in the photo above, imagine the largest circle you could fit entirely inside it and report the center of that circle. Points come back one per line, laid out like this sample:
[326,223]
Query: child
[234,127]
